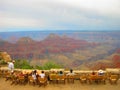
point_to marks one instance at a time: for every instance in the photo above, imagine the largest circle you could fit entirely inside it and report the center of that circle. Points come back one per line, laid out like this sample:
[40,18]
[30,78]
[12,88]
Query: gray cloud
[58,14]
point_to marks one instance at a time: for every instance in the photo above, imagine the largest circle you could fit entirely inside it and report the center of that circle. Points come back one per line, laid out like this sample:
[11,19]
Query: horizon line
[61,30]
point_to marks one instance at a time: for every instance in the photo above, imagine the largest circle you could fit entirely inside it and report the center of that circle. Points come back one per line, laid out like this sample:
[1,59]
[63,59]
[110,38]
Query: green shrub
[2,62]
[22,64]
[50,65]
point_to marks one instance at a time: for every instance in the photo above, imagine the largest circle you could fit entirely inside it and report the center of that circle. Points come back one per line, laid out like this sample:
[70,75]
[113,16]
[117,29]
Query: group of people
[35,74]
[42,74]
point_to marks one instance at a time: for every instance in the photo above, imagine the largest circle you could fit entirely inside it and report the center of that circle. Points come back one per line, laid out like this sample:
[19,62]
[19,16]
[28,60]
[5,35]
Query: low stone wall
[108,70]
[113,70]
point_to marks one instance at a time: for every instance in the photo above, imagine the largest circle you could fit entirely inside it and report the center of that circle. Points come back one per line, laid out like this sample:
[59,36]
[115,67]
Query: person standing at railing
[11,65]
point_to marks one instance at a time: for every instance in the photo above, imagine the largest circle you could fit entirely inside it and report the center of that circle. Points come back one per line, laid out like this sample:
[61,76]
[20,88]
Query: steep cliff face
[5,56]
[71,50]
[27,48]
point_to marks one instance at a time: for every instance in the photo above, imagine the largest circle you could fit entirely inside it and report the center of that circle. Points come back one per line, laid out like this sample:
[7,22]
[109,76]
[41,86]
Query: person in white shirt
[34,75]
[71,72]
[42,74]
[100,72]
[11,65]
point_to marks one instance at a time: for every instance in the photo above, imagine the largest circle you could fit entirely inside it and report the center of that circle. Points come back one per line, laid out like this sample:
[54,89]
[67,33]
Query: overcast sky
[18,15]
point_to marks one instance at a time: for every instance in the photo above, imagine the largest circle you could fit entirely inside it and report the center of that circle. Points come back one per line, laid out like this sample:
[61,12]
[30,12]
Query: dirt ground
[5,85]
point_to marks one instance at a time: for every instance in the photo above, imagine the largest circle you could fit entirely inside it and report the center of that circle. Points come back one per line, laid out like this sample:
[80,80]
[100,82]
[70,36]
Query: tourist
[60,73]
[42,74]
[34,75]
[71,72]
[100,72]
[93,73]
[11,65]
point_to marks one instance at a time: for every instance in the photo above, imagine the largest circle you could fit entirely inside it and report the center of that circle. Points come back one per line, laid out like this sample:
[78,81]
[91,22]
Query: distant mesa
[25,40]
[28,48]
[53,36]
